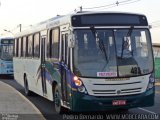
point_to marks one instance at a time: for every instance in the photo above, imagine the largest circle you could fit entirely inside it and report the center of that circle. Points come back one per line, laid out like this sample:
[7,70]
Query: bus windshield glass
[112,52]
[6,52]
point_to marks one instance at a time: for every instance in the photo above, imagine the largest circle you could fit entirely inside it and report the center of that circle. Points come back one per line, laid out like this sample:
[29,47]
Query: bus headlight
[78,83]
[81,89]
[151,82]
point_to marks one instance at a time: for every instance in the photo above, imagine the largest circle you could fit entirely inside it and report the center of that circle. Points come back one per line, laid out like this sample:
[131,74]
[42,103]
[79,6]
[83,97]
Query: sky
[30,12]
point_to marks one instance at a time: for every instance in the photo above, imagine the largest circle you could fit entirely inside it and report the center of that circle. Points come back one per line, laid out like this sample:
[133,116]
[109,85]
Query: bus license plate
[118,102]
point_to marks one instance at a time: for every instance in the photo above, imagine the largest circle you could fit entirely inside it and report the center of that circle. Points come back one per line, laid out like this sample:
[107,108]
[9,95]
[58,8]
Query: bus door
[64,69]
[43,78]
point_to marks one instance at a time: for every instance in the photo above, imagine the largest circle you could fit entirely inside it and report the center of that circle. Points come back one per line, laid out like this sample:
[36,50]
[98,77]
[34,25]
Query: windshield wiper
[130,31]
[93,31]
[102,48]
[101,44]
[124,41]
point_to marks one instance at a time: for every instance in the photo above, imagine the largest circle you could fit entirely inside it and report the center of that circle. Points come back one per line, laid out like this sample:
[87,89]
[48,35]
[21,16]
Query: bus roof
[62,20]
[6,38]
[101,12]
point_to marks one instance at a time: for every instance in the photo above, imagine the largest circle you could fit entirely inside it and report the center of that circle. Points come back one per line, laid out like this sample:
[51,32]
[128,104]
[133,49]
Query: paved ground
[13,105]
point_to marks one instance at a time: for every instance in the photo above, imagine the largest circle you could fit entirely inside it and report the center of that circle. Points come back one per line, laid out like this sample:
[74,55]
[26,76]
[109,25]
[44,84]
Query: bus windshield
[112,52]
[6,52]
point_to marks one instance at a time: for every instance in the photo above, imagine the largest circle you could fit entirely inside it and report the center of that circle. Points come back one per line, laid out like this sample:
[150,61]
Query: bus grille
[117,92]
[116,89]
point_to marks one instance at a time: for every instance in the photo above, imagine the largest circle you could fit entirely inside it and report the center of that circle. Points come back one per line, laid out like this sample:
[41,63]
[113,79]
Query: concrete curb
[22,96]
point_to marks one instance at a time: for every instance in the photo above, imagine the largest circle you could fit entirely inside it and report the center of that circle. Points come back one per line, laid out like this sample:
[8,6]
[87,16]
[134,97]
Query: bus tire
[26,87]
[57,101]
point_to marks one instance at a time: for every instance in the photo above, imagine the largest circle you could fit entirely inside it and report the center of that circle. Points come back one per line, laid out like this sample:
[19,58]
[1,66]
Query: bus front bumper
[82,102]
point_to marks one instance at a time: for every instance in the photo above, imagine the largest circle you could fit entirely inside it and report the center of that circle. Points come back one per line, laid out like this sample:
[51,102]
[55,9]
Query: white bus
[6,55]
[88,61]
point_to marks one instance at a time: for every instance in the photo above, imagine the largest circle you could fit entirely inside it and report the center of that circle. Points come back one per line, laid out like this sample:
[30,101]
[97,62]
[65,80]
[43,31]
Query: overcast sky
[29,12]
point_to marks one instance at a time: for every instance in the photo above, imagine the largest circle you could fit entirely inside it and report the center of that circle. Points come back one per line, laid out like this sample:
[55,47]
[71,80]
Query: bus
[6,55]
[88,61]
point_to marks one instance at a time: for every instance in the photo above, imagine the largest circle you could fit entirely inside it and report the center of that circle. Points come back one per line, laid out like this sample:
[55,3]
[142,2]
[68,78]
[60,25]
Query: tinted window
[15,48]
[24,46]
[52,45]
[21,47]
[19,51]
[30,46]
[36,44]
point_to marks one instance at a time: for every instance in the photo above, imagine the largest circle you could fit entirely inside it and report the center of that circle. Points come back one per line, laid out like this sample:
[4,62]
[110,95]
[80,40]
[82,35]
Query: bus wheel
[26,88]
[57,101]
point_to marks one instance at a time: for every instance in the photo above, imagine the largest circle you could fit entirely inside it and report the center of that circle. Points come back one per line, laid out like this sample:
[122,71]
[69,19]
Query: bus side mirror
[71,41]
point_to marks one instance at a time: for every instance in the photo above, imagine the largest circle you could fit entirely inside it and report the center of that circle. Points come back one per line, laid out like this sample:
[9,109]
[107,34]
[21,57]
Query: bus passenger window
[24,47]
[19,51]
[30,46]
[49,46]
[16,48]
[54,44]
[36,44]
